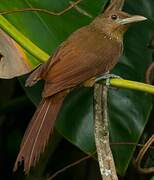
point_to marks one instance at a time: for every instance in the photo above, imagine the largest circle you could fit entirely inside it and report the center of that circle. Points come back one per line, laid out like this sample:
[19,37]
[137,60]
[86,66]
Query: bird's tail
[38,131]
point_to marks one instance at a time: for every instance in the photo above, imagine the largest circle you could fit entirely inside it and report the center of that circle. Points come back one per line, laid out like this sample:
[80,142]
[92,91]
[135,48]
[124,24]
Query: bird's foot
[107,77]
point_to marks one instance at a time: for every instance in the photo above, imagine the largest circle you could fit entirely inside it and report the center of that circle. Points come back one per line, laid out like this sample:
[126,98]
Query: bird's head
[115,21]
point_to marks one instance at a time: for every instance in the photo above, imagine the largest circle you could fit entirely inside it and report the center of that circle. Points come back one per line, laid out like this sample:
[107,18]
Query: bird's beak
[132,19]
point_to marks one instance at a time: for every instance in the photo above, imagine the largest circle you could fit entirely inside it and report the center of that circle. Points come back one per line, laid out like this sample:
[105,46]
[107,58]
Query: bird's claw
[107,77]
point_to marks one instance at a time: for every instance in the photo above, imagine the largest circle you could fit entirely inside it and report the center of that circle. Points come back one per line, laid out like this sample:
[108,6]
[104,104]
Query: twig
[141,155]
[69,166]
[81,11]
[88,157]
[72,5]
[118,3]
[149,71]
[148,75]
[151,42]
[130,144]
[105,158]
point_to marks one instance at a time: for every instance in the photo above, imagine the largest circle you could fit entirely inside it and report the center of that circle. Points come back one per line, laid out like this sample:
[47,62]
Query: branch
[22,40]
[140,156]
[105,158]
[68,166]
[115,5]
[43,57]
[133,85]
[90,156]
[129,144]
[118,3]
[81,11]
[45,11]
[149,73]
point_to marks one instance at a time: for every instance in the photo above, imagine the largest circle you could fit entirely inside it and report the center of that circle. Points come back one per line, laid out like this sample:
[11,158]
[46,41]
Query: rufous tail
[38,131]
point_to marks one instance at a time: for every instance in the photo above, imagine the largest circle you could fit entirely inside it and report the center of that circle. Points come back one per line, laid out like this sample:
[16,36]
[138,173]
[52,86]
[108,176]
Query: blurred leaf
[129,110]
[13,60]
[152,178]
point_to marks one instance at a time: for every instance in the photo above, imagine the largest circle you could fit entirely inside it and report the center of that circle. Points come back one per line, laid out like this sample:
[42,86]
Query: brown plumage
[38,131]
[90,51]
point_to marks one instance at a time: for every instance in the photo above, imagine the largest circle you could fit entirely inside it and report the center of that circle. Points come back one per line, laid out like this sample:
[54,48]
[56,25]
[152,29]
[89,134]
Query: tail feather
[38,131]
[36,75]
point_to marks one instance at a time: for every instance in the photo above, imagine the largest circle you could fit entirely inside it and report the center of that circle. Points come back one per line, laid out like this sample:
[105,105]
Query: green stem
[22,40]
[42,56]
[121,83]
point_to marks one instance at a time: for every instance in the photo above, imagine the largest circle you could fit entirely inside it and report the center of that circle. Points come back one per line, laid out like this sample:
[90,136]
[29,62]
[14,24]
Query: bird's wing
[82,56]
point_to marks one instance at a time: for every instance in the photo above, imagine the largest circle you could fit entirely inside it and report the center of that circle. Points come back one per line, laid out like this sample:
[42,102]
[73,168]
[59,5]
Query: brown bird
[88,52]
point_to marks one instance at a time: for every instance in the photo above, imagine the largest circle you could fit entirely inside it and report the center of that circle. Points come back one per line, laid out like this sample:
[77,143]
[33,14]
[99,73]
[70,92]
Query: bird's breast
[84,55]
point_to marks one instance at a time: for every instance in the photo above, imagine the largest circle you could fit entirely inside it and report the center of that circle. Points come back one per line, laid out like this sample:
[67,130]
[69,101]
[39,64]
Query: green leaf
[128,110]
[152,178]
[75,119]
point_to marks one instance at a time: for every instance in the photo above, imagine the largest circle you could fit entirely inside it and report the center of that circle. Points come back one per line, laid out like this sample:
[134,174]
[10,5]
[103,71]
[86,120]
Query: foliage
[128,110]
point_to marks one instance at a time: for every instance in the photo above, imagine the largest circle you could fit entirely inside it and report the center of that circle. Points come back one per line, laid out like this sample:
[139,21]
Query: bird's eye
[114,17]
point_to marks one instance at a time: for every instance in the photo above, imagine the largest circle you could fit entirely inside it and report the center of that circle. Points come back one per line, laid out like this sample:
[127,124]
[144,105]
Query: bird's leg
[89,82]
[107,76]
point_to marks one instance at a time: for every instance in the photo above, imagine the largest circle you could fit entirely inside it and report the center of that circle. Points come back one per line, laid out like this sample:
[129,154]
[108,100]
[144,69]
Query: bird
[90,51]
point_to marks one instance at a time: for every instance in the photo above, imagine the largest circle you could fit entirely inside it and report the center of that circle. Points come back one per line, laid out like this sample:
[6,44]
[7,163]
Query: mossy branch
[105,157]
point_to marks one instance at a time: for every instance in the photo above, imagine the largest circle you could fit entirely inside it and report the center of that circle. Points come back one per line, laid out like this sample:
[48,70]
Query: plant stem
[22,40]
[43,57]
[133,85]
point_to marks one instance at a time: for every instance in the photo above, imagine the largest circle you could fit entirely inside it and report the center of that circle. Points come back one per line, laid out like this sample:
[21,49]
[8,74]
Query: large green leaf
[128,110]
[48,31]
